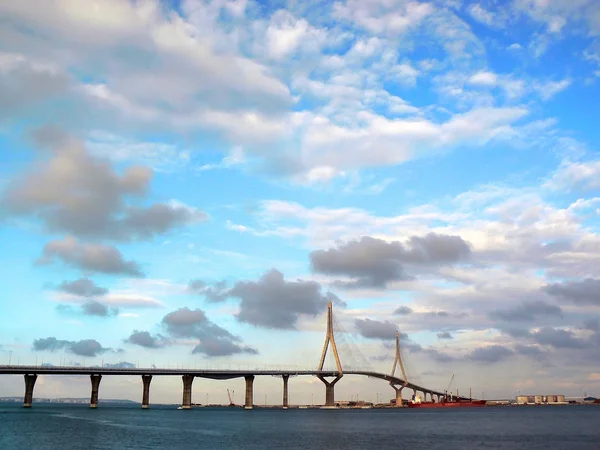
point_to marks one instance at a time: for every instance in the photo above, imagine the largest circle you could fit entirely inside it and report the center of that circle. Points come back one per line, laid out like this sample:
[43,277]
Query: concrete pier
[398,395]
[146,379]
[285,391]
[95,386]
[29,384]
[186,403]
[249,392]
[329,389]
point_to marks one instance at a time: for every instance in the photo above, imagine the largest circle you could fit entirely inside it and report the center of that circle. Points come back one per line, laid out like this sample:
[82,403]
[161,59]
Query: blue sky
[191,182]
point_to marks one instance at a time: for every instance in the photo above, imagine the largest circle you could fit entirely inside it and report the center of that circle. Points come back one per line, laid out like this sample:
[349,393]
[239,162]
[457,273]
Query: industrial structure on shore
[552,399]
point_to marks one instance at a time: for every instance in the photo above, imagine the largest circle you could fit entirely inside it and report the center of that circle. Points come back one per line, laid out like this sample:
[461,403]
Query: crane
[449,385]
[230,395]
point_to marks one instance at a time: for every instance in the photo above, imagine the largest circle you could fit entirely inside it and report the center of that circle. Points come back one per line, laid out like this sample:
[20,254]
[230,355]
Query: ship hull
[471,404]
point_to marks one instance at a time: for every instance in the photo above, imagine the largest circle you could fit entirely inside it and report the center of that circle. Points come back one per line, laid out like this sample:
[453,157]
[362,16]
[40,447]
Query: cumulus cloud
[88,257]
[83,287]
[145,339]
[374,262]
[214,340]
[403,310]
[444,335]
[271,301]
[70,190]
[215,293]
[375,329]
[85,347]
[94,308]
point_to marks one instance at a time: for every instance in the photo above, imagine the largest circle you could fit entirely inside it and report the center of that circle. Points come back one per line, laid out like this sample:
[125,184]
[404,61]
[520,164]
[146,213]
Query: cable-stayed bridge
[329,377]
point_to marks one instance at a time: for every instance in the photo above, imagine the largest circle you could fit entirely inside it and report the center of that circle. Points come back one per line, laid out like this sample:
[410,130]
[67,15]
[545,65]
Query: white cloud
[235,158]
[286,33]
[378,141]
[576,176]
[122,299]
[549,89]
[158,155]
[484,78]
[381,17]
[481,15]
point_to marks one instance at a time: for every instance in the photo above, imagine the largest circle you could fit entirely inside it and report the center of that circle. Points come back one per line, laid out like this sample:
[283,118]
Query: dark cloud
[444,335]
[273,302]
[374,262]
[94,308]
[24,84]
[215,293]
[592,325]
[72,191]
[89,257]
[85,347]
[89,308]
[528,350]
[84,287]
[527,312]
[145,223]
[437,314]
[145,339]
[516,332]
[438,356]
[491,354]
[403,310]
[586,292]
[120,365]
[375,329]
[214,340]
[558,338]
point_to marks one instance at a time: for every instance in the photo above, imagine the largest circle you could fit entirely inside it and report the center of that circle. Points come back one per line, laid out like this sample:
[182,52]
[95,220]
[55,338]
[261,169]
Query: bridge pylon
[398,363]
[330,339]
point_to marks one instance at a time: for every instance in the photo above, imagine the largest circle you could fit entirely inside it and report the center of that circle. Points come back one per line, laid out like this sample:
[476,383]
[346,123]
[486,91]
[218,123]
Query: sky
[189,183]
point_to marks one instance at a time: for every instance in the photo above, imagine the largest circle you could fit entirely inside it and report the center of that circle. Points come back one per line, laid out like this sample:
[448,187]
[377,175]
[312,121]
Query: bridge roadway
[31,372]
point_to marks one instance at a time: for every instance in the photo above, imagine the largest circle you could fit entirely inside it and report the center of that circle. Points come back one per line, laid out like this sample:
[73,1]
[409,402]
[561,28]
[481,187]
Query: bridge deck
[216,374]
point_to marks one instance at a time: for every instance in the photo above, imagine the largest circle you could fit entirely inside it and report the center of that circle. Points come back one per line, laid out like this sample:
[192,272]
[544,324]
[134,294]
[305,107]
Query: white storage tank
[560,399]
[551,399]
[521,400]
[538,399]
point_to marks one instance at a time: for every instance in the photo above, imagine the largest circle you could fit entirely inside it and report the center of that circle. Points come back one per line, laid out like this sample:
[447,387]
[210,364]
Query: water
[66,427]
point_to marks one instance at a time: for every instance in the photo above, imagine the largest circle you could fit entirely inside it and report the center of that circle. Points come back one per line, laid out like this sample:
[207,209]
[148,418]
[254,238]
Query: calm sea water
[56,426]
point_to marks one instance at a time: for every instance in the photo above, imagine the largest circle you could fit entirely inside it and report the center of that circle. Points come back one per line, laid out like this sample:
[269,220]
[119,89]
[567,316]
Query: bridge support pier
[186,402]
[146,379]
[285,391]
[329,389]
[29,384]
[249,403]
[95,379]
[399,402]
